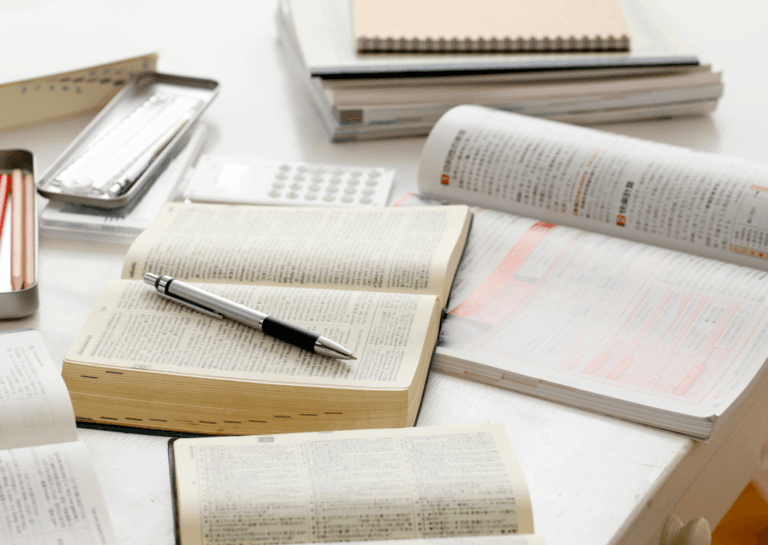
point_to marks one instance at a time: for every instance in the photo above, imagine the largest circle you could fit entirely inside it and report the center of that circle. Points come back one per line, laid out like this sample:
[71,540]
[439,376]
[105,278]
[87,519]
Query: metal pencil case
[139,131]
[20,302]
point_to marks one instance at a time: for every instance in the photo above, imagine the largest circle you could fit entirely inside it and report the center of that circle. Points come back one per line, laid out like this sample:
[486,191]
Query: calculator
[255,181]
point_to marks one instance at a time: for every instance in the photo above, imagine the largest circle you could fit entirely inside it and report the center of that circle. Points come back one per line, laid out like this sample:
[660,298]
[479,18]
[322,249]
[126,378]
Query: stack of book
[652,73]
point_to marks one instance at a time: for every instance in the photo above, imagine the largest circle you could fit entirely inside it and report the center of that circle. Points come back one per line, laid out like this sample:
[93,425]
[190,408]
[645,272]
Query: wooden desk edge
[729,458]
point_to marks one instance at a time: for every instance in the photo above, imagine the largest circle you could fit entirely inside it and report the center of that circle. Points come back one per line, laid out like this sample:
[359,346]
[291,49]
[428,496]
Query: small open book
[49,491]
[446,485]
[374,280]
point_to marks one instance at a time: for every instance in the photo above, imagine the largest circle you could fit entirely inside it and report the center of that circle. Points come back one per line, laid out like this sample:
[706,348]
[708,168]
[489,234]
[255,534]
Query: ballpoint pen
[218,307]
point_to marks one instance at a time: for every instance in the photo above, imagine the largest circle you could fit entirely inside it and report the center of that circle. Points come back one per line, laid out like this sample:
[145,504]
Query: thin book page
[361,485]
[375,249]
[534,303]
[51,494]
[352,86]
[563,94]
[131,327]
[34,403]
[690,201]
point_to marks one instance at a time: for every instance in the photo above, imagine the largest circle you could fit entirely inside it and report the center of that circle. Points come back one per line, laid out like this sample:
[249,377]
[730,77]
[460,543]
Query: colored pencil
[29,232]
[5,188]
[17,230]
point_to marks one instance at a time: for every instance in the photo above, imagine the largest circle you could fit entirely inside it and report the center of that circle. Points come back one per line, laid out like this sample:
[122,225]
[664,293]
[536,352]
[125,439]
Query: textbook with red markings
[622,276]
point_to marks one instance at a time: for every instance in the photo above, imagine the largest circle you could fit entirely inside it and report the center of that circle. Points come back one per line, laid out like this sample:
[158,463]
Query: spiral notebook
[494,26]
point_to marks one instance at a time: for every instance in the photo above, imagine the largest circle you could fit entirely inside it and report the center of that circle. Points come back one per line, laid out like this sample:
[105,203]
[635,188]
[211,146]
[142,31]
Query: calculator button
[285,167]
[315,187]
[356,173]
[350,190]
[274,194]
[368,191]
[335,180]
[352,181]
[317,179]
[338,171]
[329,198]
[296,186]
[303,168]
[293,195]
[310,196]
[365,200]
[282,176]
[332,189]
[374,174]
[347,199]
[299,177]
[372,183]
[278,185]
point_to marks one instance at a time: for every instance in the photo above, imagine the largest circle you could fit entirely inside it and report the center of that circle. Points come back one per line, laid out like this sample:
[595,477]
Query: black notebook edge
[549,64]
[174,495]
[93,425]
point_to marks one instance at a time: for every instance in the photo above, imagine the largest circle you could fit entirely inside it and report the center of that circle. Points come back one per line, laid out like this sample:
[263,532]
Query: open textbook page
[34,405]
[379,249]
[615,326]
[373,279]
[362,485]
[134,328]
[677,198]
[49,491]
[138,357]
[51,494]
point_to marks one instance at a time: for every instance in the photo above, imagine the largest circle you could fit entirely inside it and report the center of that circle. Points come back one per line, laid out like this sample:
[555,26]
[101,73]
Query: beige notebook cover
[489,25]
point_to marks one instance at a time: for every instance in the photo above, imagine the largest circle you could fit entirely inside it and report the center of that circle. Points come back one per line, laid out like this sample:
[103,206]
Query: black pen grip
[289,333]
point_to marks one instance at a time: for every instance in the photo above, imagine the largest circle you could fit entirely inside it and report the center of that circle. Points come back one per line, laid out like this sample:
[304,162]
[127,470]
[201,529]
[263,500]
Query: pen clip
[193,306]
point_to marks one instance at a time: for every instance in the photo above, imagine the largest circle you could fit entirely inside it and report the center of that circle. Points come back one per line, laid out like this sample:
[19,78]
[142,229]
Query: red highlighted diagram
[607,311]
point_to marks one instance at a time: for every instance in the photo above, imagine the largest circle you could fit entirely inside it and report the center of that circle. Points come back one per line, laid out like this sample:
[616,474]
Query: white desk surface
[593,480]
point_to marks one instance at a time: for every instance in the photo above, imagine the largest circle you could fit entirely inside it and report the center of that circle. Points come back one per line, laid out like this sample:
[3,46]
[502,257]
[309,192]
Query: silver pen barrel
[218,307]
[229,309]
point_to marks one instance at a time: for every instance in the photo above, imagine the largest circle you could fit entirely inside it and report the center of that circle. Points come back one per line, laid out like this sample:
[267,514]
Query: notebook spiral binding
[506,44]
